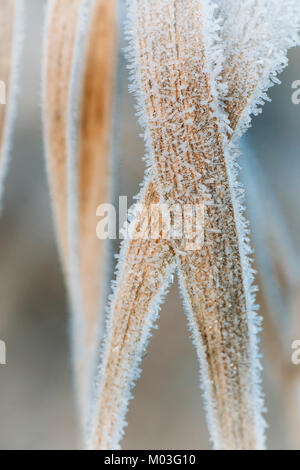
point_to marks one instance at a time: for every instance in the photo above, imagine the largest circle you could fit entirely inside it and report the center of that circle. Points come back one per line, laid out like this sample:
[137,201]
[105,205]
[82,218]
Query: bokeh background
[36,399]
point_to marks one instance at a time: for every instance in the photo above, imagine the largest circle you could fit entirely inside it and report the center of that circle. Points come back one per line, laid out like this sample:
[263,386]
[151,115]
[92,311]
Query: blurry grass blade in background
[277,258]
[90,169]
[78,99]
[62,19]
[11,29]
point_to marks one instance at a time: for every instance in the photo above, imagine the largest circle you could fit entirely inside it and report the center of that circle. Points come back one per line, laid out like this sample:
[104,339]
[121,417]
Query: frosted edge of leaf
[257,190]
[289,37]
[152,317]
[74,109]
[215,63]
[14,90]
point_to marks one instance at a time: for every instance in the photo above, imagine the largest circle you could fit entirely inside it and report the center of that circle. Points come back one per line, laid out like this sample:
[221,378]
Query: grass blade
[224,333]
[11,29]
[90,136]
[60,36]
[144,273]
[78,96]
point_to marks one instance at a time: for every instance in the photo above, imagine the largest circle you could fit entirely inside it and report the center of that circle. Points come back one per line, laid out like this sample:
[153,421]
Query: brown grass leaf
[80,181]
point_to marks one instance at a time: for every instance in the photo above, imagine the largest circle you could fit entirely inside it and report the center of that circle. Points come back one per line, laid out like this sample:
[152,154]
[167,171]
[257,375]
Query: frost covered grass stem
[191,104]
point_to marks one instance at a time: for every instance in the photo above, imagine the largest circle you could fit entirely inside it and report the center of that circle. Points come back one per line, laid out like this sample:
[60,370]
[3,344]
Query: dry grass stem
[6,46]
[278,267]
[11,19]
[189,153]
[92,161]
[79,169]
[145,271]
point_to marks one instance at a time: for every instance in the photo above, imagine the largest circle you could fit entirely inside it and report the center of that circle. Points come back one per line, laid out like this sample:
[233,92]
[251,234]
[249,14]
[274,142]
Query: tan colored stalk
[79,176]
[226,373]
[278,269]
[94,154]
[278,346]
[145,266]
[60,44]
[11,30]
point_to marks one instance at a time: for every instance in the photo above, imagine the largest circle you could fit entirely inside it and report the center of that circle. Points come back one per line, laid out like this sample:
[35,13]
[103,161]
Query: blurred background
[36,400]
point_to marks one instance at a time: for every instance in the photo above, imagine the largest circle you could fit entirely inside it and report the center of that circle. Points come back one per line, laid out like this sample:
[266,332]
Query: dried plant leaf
[11,22]
[278,267]
[61,26]
[231,330]
[240,436]
[276,255]
[62,21]
[144,273]
[257,35]
[78,99]
[95,143]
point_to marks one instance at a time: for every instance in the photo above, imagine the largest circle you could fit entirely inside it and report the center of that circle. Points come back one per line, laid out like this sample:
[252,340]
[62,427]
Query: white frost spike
[11,38]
